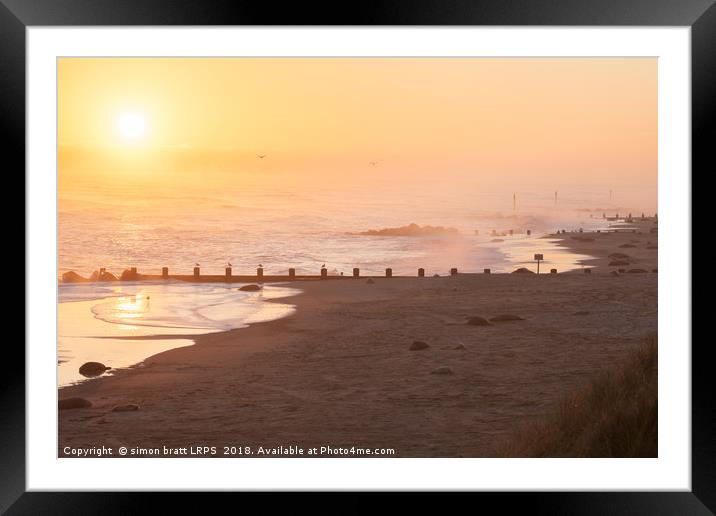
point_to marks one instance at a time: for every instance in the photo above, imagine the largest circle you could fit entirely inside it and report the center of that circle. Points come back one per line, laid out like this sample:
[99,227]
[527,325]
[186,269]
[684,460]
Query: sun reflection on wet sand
[131,307]
[97,329]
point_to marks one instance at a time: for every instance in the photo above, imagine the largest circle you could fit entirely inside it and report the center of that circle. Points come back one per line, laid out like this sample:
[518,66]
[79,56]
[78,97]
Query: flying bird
[261,266]
[374,163]
[230,264]
[323,266]
[196,264]
[262,156]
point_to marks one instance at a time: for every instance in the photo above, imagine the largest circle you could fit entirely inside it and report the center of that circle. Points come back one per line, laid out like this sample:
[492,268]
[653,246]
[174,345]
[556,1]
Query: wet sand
[339,372]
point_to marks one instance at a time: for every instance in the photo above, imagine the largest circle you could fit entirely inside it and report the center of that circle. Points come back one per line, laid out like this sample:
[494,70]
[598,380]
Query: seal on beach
[129,407]
[506,317]
[477,321]
[441,370]
[73,403]
[92,369]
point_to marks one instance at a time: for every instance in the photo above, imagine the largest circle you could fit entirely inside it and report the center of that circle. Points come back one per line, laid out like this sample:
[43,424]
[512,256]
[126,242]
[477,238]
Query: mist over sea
[154,227]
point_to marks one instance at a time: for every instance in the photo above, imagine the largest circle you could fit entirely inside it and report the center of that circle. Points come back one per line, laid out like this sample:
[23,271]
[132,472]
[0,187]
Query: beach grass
[614,415]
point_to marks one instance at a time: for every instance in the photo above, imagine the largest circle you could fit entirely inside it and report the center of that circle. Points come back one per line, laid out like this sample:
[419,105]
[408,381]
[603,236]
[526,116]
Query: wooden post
[453,271]
[165,272]
[196,272]
[291,272]
[486,271]
[228,272]
[388,272]
[260,272]
[101,271]
[324,273]
[529,232]
[421,272]
[356,272]
[134,270]
[553,271]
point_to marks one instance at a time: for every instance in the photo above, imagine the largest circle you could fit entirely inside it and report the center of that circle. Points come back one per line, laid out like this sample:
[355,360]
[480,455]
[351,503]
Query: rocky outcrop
[73,277]
[411,230]
[129,275]
[103,276]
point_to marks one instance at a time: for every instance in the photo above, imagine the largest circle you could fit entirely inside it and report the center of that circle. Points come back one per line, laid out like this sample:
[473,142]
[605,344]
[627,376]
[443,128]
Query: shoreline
[642,255]
[133,275]
[338,369]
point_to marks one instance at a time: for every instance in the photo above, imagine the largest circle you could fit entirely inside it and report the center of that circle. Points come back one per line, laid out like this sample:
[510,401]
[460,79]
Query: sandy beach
[339,372]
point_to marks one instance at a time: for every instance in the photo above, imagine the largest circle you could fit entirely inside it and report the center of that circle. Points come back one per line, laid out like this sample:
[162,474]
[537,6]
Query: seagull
[262,156]
[374,163]
[261,266]
[230,264]
[196,264]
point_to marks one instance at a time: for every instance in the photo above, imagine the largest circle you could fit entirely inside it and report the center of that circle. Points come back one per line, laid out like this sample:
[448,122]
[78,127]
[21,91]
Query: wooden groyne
[196,276]
[228,277]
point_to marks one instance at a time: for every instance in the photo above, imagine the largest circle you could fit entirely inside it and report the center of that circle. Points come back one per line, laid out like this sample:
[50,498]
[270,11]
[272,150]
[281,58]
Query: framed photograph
[413,250]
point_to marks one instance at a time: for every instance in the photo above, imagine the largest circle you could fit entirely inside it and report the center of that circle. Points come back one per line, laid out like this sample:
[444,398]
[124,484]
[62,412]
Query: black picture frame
[700,15]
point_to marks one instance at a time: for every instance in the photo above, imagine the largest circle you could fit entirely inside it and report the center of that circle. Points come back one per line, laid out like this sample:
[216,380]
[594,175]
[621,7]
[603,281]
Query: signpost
[538,257]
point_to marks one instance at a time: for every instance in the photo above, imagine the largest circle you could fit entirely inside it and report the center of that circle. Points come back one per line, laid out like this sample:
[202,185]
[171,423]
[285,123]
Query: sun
[131,126]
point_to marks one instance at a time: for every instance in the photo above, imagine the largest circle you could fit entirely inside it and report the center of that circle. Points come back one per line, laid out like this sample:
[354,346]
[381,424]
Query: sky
[500,123]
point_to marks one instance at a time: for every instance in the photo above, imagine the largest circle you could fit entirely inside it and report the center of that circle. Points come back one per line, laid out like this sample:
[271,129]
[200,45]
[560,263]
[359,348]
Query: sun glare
[131,126]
